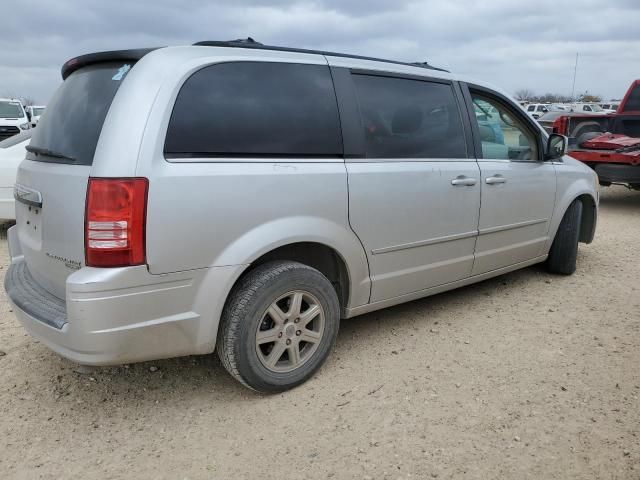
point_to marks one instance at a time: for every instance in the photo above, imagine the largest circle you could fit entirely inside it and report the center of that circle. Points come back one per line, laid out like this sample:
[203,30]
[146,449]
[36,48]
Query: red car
[608,143]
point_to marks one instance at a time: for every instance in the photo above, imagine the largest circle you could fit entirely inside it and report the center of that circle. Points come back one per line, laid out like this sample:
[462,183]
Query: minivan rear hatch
[51,184]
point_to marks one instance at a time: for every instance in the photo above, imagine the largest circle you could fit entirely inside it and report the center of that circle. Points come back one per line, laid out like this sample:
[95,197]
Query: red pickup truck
[608,143]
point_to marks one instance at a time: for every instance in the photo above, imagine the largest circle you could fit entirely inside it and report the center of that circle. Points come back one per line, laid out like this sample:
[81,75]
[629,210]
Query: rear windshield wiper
[48,153]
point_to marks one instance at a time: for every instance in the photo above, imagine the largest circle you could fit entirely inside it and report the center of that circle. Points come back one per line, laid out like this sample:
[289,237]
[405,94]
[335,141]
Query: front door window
[503,136]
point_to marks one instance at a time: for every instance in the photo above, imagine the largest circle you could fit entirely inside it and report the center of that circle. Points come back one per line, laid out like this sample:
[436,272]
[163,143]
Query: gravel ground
[528,375]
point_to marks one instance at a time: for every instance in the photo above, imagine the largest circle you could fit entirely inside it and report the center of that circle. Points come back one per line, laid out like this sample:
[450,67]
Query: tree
[26,101]
[524,94]
[589,98]
[554,98]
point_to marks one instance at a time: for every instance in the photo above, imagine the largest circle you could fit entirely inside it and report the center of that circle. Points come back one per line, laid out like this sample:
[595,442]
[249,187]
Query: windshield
[37,112]
[11,110]
[74,119]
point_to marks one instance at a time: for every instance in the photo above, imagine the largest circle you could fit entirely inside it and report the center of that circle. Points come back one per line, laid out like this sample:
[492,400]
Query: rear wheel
[278,326]
[564,250]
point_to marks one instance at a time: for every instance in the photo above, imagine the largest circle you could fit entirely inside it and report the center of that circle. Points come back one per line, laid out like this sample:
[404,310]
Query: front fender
[574,180]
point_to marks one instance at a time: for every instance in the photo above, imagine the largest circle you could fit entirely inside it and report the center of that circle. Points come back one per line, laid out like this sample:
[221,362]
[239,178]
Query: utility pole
[573,88]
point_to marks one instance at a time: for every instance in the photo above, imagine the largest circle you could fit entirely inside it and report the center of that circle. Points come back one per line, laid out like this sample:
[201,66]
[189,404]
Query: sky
[513,44]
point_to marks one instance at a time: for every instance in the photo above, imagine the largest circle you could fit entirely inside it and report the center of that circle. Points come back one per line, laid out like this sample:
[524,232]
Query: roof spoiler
[76,63]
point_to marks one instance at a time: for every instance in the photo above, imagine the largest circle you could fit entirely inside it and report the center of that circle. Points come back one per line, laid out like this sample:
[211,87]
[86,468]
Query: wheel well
[316,255]
[588,222]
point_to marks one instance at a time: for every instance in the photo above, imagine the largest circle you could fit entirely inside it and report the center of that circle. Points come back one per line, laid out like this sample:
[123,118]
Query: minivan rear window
[256,109]
[74,119]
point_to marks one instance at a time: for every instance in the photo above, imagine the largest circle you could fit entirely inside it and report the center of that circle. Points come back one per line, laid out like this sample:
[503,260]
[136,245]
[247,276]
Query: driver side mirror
[556,146]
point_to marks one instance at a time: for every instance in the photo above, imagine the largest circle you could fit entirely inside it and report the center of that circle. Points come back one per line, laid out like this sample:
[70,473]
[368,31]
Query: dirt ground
[528,375]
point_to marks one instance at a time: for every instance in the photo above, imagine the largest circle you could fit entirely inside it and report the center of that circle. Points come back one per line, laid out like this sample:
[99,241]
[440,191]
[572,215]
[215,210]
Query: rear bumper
[618,173]
[121,315]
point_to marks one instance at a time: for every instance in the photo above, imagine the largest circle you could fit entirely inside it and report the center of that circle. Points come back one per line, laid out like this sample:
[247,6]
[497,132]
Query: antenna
[573,88]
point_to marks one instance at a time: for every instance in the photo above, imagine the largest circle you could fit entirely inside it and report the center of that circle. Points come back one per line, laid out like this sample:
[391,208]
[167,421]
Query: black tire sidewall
[248,364]
[564,250]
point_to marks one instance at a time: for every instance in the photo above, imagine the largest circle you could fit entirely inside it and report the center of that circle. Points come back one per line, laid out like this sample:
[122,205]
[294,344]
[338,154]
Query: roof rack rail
[251,43]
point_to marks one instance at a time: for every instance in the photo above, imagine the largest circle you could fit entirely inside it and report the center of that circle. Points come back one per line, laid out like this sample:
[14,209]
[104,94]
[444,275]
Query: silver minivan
[243,198]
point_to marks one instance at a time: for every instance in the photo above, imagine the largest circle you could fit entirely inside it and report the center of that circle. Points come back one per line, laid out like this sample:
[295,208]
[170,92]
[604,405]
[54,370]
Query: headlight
[25,126]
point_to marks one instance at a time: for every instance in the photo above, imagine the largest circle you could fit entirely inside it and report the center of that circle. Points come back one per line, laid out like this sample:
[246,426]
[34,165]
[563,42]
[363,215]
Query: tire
[564,250]
[586,127]
[585,137]
[262,308]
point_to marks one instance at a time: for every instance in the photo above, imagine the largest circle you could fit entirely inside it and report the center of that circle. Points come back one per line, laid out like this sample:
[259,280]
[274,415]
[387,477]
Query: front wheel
[564,250]
[278,326]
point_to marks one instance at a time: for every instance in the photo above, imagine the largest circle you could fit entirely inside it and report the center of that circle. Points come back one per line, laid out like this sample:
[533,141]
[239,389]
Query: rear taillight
[114,223]
[560,125]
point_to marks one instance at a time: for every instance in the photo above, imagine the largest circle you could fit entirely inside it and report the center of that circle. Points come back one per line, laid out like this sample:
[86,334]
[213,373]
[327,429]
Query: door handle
[497,179]
[461,180]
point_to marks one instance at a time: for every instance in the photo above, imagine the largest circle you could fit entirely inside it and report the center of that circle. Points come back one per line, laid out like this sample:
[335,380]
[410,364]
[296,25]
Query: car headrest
[406,120]
[487,134]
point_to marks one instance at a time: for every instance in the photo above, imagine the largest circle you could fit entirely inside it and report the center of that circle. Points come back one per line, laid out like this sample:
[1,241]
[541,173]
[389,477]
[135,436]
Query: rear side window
[404,118]
[256,109]
[75,115]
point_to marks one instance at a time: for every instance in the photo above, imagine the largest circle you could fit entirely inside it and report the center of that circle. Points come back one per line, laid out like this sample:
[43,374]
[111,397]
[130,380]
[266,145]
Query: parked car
[609,142]
[13,118]
[260,194]
[12,152]
[586,108]
[34,112]
[547,121]
[610,107]
[559,107]
[536,110]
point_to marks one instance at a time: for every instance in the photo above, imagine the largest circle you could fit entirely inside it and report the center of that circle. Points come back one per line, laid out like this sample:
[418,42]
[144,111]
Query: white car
[559,107]
[13,118]
[12,152]
[610,107]
[588,108]
[536,110]
[34,112]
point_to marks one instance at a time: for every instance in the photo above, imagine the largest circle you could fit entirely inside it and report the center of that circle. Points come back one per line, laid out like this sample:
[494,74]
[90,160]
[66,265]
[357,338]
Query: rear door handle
[464,181]
[496,179]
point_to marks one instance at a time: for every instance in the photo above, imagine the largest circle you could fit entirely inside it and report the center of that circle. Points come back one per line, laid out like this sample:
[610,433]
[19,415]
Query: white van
[536,110]
[34,112]
[588,108]
[12,152]
[246,197]
[13,118]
